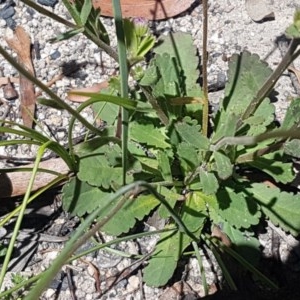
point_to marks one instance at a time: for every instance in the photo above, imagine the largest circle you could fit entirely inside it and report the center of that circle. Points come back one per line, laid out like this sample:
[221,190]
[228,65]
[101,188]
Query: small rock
[2,23]
[7,12]
[49,293]
[11,23]
[51,3]
[133,283]
[56,54]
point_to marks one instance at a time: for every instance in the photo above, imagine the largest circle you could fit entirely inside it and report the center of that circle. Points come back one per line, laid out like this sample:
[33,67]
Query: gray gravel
[230,31]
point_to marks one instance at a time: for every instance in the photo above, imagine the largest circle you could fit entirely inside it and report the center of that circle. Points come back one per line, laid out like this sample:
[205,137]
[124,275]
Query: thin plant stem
[21,214]
[204,70]
[216,254]
[48,13]
[80,237]
[77,240]
[124,81]
[253,140]
[242,261]
[202,271]
[104,246]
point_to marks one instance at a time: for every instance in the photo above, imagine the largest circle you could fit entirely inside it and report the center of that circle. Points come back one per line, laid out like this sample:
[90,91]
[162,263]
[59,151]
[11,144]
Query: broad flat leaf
[169,84]
[292,148]
[150,76]
[263,116]
[188,157]
[164,166]
[292,116]
[171,245]
[130,37]
[282,208]
[165,258]
[236,208]
[95,168]
[80,198]
[99,174]
[148,134]
[171,197]
[147,163]
[193,212]
[226,125]
[102,165]
[209,182]
[180,46]
[293,31]
[274,164]
[247,73]
[125,218]
[223,165]
[89,146]
[212,205]
[192,135]
[245,243]
[85,11]
[105,111]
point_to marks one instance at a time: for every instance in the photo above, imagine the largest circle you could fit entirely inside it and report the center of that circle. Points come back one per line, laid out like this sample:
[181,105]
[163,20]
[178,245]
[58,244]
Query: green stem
[22,211]
[202,271]
[218,257]
[204,71]
[48,13]
[104,246]
[253,140]
[160,113]
[80,237]
[124,81]
[218,244]
[265,90]
[249,157]
[108,49]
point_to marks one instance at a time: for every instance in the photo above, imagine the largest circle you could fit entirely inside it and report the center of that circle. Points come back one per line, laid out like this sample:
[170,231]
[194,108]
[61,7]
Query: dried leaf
[4,80]
[20,43]
[92,89]
[220,235]
[296,72]
[9,91]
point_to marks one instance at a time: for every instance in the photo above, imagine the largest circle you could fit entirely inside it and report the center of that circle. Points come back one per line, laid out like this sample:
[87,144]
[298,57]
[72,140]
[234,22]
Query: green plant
[218,169]
[168,159]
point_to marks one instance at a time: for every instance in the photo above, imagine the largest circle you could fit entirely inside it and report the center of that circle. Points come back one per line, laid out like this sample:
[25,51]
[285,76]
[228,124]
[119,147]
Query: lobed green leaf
[282,208]
[237,208]
[192,135]
[148,134]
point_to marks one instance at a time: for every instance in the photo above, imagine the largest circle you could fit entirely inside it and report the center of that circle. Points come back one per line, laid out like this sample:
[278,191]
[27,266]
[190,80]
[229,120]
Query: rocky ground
[231,30]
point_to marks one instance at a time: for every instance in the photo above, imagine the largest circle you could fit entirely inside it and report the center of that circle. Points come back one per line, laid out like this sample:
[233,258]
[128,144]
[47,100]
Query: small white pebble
[133,283]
